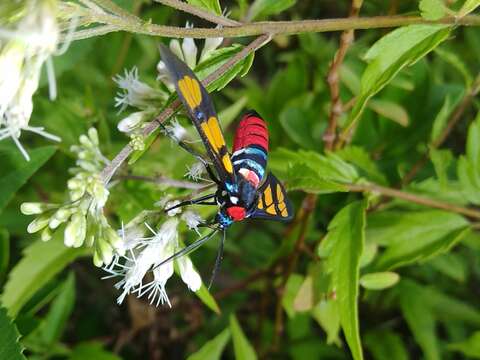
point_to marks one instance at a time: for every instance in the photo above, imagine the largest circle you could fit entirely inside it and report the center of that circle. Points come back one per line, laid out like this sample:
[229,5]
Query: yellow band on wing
[190,89]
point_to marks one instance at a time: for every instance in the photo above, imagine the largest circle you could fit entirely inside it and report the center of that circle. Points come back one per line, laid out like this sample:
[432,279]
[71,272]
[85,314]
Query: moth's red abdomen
[251,131]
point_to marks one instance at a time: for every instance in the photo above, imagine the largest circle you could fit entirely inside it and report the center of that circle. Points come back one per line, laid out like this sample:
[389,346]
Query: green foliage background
[356,274]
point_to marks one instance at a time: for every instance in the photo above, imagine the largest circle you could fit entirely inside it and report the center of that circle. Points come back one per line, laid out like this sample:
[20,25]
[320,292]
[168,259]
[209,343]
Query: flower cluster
[29,36]
[142,255]
[83,213]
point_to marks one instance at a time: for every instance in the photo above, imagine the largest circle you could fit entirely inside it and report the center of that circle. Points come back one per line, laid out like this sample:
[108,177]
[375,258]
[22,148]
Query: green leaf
[441,159]
[212,5]
[346,233]
[468,7]
[4,253]
[361,159]
[452,265]
[16,170]
[91,350]
[265,8]
[469,347]
[457,63]
[379,280]
[292,287]
[386,344]
[388,56]
[432,9]
[420,318]
[212,350]
[293,121]
[312,172]
[10,348]
[328,317]
[54,324]
[207,298]
[219,57]
[441,119]
[243,349]
[468,168]
[41,261]
[412,236]
[390,110]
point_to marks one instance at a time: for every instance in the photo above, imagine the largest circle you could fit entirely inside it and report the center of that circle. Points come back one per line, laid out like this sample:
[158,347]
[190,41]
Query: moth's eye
[234,199]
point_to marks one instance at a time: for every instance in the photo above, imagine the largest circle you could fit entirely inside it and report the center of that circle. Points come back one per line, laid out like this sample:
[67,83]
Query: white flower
[195,171]
[192,219]
[175,130]
[143,257]
[135,92]
[188,53]
[24,49]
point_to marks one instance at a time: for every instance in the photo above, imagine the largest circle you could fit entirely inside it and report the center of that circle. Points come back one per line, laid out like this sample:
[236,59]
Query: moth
[245,190]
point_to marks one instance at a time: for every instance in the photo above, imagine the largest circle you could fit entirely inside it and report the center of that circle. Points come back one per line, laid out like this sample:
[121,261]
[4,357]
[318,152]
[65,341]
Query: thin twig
[118,160]
[199,12]
[113,8]
[333,79]
[271,27]
[162,180]
[417,199]
[454,119]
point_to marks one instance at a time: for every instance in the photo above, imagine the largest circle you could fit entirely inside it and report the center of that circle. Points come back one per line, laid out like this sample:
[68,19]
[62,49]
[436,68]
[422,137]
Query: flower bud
[46,234]
[189,274]
[75,230]
[34,208]
[38,224]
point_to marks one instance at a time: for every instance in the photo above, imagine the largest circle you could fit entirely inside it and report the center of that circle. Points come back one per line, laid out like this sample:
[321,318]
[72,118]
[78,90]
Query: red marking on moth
[237,213]
[251,131]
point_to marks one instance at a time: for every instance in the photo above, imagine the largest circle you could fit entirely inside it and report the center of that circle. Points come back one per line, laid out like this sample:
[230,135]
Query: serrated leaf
[241,346]
[346,233]
[41,261]
[212,350]
[469,347]
[412,236]
[379,280]
[16,170]
[388,56]
[312,172]
[432,9]
[265,8]
[10,348]
[211,5]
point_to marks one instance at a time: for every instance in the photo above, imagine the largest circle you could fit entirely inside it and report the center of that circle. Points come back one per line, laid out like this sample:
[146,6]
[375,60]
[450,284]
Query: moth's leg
[199,200]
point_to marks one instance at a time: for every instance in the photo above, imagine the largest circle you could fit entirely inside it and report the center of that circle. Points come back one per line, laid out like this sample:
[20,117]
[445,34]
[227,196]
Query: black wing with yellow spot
[199,105]
[273,203]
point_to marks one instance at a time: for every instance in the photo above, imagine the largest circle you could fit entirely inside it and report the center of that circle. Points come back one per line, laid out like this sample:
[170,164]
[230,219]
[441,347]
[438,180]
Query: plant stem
[333,79]
[417,199]
[271,27]
[118,160]
[199,12]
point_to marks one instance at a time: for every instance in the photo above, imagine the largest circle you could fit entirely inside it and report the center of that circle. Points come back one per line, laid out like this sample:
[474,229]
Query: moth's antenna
[219,258]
